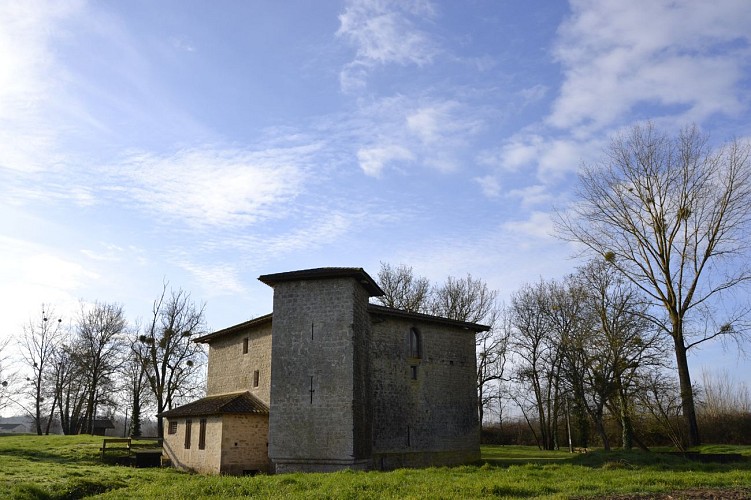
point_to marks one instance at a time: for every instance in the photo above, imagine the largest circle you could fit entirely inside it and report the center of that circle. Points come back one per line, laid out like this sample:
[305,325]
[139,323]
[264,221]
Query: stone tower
[320,409]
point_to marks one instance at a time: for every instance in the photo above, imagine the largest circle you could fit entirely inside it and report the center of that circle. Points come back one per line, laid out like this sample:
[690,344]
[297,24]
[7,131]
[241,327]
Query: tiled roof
[357,273]
[234,403]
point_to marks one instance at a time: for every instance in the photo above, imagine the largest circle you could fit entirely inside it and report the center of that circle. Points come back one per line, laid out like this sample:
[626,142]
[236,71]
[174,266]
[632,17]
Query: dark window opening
[188,424]
[415,343]
[172,429]
[256,378]
[245,345]
[202,434]
[413,372]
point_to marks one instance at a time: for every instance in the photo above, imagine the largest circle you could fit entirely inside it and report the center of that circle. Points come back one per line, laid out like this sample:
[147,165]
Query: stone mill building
[330,381]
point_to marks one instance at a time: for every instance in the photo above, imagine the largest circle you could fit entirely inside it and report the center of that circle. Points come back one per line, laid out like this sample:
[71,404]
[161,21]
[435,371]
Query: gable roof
[322,273]
[234,329]
[375,309]
[223,404]
[10,427]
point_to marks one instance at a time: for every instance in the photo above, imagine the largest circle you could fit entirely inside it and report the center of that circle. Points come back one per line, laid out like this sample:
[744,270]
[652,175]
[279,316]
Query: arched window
[415,343]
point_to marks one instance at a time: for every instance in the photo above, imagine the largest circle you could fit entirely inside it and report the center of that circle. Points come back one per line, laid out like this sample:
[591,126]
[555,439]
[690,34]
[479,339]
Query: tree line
[98,363]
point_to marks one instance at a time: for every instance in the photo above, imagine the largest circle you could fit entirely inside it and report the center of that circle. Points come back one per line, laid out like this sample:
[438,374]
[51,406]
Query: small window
[188,424]
[245,345]
[413,372]
[256,378]
[415,343]
[202,434]
[172,429]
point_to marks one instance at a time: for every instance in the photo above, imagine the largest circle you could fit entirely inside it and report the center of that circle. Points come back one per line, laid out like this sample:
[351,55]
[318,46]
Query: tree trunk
[600,426]
[627,429]
[687,392]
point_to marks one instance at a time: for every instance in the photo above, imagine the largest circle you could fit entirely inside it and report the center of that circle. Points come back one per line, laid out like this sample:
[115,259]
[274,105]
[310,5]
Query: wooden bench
[112,441]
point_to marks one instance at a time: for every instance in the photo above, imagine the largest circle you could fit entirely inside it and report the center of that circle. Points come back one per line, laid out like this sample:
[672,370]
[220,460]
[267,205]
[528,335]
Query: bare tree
[492,354]
[465,299]
[402,289]
[70,384]
[673,216]
[660,396]
[6,378]
[41,338]
[136,385]
[621,343]
[167,353]
[98,352]
[538,360]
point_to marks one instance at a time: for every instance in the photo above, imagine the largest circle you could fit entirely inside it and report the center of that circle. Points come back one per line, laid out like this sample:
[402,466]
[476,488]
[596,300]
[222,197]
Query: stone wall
[235,444]
[232,371]
[430,419]
[206,461]
[245,444]
[320,410]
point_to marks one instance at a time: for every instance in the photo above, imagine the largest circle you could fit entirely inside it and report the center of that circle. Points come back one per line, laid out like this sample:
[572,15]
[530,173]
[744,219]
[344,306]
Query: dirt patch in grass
[690,494]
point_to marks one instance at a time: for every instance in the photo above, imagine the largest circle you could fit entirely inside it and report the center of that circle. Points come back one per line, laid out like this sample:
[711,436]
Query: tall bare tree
[402,289]
[492,355]
[621,345]
[170,358]
[672,215]
[136,394]
[98,352]
[537,354]
[41,338]
[6,378]
[70,384]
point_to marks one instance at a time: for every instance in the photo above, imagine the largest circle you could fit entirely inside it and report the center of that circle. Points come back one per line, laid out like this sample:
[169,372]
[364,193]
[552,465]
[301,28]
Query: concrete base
[284,465]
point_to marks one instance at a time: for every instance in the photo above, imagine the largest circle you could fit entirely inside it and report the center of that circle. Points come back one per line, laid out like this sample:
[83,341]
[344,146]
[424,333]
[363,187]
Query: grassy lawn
[69,467]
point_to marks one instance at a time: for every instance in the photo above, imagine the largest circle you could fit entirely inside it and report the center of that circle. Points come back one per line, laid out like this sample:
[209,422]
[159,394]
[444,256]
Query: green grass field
[69,467]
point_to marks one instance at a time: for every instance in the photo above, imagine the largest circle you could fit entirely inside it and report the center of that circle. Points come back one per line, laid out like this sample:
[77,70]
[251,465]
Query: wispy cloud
[385,32]
[374,159]
[204,187]
[539,225]
[684,56]
[428,132]
[27,140]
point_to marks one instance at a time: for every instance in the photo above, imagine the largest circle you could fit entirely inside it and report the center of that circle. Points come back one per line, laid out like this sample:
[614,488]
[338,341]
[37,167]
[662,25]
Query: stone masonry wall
[313,424]
[244,444]
[432,419]
[206,461]
[232,371]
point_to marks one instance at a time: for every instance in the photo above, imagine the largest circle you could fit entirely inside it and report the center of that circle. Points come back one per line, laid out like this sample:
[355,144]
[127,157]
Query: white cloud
[27,84]
[373,160]
[31,274]
[532,195]
[215,279]
[215,186]
[539,225]
[534,93]
[384,32]
[682,55]
[490,186]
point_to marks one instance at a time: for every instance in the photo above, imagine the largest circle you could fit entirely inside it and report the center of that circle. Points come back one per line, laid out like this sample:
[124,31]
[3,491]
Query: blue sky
[207,143]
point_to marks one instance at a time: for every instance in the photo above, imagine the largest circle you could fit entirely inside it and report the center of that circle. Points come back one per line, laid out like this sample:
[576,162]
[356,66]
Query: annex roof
[398,313]
[223,404]
[321,273]
[234,329]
